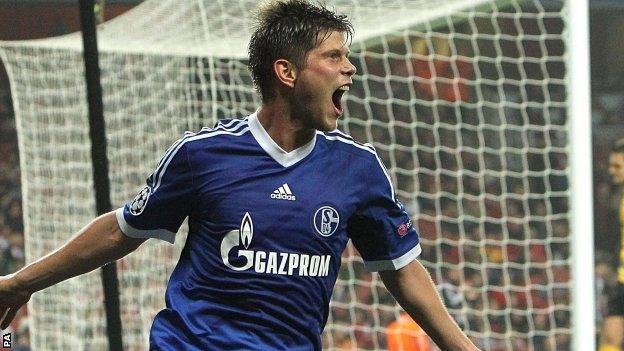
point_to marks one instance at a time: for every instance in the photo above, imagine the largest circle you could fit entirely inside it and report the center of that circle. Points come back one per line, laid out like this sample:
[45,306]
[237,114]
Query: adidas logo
[283,193]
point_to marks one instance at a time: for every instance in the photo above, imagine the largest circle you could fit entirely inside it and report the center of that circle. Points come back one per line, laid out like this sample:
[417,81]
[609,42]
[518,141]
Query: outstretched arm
[97,244]
[414,290]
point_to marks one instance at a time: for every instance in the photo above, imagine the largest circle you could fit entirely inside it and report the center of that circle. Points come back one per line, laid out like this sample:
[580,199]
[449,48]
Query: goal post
[582,238]
[472,105]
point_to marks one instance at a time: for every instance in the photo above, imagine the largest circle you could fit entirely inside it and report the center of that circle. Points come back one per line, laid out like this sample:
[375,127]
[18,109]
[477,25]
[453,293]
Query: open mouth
[337,98]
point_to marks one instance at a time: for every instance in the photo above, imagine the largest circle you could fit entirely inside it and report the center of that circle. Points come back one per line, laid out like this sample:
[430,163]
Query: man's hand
[12,297]
[97,244]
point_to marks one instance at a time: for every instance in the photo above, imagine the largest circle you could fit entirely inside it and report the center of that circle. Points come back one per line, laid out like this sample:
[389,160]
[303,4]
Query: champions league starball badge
[138,204]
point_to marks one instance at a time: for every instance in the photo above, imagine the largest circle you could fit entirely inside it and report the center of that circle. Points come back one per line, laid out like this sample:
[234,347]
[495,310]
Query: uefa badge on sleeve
[402,229]
[138,204]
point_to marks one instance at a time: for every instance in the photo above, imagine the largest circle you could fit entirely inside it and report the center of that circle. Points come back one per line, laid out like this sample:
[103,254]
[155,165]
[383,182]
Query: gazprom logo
[246,230]
[239,238]
[326,220]
[269,262]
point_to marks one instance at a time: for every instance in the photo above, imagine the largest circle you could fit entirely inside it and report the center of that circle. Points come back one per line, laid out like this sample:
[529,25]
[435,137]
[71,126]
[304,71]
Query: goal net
[464,100]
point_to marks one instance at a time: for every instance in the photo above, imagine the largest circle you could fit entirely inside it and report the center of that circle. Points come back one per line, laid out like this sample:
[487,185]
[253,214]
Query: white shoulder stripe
[344,135]
[175,145]
[387,176]
[214,132]
[366,147]
[340,136]
[233,124]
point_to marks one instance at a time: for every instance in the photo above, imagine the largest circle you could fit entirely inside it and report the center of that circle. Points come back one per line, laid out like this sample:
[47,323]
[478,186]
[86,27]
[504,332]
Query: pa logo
[326,221]
[138,204]
[6,341]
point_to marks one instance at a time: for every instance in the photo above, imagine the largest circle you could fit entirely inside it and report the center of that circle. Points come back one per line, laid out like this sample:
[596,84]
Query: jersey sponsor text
[270,262]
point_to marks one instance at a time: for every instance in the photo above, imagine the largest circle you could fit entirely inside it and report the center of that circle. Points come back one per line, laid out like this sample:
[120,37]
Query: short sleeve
[381,229]
[159,209]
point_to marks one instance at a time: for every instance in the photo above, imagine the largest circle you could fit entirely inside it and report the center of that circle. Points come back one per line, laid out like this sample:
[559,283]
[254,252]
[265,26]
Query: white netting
[464,100]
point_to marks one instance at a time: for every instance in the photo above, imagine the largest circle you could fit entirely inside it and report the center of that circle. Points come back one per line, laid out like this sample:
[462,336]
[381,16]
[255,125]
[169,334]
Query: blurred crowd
[506,279]
[608,120]
[11,223]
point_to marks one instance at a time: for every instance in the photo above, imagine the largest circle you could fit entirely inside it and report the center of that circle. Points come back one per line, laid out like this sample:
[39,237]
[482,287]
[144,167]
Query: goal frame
[576,37]
[581,184]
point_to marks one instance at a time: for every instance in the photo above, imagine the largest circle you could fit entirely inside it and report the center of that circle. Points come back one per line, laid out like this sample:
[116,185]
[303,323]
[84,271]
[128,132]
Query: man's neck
[286,131]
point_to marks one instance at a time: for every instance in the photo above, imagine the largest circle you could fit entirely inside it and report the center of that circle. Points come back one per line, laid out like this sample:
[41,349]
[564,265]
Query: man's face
[320,84]
[616,167]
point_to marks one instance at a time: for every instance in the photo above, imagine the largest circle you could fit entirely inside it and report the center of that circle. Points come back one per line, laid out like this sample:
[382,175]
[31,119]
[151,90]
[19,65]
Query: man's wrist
[19,283]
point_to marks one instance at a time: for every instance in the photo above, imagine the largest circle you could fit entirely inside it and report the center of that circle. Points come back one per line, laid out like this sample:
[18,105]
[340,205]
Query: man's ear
[286,72]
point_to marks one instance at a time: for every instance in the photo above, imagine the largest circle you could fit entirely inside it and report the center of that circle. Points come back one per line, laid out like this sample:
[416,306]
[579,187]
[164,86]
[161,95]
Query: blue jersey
[267,229]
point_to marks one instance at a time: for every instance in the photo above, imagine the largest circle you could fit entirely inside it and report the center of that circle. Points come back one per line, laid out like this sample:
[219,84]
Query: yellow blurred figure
[405,335]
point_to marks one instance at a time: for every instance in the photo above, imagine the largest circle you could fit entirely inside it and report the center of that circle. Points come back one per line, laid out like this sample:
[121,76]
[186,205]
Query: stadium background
[60,17]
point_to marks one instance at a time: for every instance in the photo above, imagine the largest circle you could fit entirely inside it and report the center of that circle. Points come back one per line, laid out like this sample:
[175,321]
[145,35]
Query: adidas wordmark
[283,193]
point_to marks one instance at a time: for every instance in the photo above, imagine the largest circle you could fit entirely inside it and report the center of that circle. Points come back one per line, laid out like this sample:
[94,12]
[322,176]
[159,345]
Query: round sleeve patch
[140,201]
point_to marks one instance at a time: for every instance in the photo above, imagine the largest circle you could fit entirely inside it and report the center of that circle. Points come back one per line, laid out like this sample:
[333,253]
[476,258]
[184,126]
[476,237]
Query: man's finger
[8,317]
[3,313]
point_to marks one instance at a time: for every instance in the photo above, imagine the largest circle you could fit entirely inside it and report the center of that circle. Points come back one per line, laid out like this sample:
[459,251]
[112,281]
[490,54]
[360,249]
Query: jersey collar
[286,159]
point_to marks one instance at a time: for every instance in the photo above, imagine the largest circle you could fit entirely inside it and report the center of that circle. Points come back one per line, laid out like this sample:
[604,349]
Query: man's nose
[349,68]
